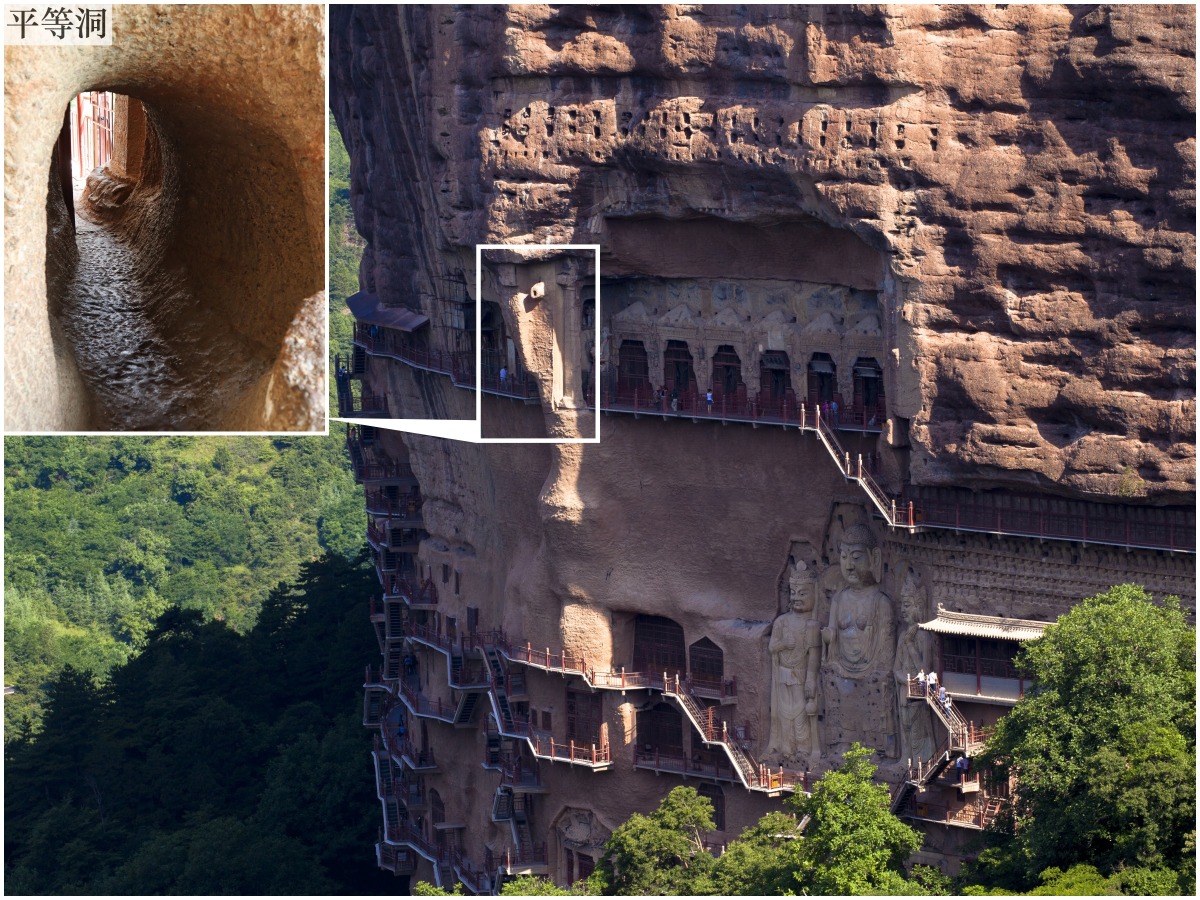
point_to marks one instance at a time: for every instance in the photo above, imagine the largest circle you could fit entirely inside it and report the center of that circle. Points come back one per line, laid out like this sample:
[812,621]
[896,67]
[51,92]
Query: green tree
[533,886]
[763,861]
[852,844]
[1103,747]
[662,853]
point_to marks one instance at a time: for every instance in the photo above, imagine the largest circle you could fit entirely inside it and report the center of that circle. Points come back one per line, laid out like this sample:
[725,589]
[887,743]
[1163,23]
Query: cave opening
[102,279]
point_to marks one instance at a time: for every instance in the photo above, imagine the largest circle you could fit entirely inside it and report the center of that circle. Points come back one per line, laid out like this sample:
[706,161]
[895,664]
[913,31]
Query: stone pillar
[129,137]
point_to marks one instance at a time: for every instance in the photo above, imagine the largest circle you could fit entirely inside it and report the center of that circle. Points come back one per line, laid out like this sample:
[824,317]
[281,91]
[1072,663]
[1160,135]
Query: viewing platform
[405,507]
[360,405]
[975,815]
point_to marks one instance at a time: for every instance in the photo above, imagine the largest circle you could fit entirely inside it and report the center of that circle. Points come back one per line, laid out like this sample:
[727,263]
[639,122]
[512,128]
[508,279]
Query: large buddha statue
[795,649]
[860,636]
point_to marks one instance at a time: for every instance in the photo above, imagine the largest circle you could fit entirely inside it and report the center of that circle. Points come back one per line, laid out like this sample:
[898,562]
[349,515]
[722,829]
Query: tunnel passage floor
[140,379]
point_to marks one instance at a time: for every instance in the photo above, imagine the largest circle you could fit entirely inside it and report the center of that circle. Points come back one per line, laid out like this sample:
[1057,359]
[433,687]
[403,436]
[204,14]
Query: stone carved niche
[579,832]
[795,649]
[859,650]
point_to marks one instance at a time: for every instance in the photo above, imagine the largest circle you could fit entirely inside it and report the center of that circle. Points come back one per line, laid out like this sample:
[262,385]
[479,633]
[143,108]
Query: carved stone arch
[578,836]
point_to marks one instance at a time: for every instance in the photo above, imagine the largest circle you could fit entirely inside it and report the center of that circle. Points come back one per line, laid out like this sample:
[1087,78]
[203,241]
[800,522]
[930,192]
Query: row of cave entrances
[775,378]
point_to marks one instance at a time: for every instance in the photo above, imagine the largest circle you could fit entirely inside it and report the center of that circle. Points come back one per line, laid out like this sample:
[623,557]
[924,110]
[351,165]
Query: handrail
[754,777]
[898,512]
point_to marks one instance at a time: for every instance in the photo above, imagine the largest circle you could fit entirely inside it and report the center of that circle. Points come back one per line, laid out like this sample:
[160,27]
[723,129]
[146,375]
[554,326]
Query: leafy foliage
[345,250]
[1103,749]
[849,843]
[104,535]
[660,854]
[532,886]
[212,763]
[853,844]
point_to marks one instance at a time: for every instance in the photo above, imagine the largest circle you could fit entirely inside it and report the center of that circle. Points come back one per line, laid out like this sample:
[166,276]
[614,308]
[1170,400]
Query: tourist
[933,682]
[503,376]
[833,408]
[708,400]
[921,681]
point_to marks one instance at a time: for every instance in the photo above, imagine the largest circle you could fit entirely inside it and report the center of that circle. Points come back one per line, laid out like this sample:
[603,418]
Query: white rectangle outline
[479,248]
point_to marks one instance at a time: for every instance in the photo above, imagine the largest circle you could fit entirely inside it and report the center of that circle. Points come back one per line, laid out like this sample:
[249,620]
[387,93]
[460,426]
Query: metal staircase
[465,712]
[752,775]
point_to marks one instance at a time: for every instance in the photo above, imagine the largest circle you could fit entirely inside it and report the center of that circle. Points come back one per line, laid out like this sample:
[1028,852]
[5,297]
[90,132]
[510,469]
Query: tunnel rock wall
[230,224]
[1017,183]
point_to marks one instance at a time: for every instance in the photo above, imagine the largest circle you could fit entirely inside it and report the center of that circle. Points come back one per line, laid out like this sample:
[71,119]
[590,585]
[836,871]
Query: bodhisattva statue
[795,665]
[860,636]
[914,653]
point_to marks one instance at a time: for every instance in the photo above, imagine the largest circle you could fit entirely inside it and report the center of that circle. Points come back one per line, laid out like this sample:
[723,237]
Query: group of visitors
[928,684]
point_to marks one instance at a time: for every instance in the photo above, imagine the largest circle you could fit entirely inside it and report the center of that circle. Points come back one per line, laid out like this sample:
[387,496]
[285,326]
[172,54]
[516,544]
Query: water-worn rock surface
[138,379]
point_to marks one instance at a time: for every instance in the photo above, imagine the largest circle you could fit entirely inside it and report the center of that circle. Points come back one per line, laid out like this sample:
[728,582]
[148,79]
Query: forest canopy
[104,535]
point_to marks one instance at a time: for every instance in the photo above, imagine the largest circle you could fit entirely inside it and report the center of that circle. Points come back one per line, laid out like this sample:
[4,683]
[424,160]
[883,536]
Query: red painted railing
[378,341]
[423,706]
[366,467]
[522,857]
[365,404]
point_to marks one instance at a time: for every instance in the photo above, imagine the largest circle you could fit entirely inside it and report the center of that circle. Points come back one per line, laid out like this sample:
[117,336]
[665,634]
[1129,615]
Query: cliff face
[1013,186]
[972,226]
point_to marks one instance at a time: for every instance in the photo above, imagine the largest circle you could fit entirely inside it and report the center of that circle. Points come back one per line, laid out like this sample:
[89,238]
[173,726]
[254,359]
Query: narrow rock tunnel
[183,284]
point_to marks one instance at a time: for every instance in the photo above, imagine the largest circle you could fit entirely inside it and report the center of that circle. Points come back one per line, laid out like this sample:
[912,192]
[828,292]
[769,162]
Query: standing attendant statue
[914,650]
[796,660]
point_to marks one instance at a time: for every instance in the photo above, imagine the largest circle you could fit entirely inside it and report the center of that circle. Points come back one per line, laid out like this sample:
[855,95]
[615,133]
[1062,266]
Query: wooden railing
[977,814]
[1053,518]
[404,507]
[521,857]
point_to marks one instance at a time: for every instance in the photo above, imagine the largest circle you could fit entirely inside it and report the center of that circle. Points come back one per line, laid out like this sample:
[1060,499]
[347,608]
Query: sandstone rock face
[1014,183]
[228,206]
[989,208]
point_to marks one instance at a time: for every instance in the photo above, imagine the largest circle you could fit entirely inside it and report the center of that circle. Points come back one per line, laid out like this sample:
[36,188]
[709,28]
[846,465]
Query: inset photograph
[164,240]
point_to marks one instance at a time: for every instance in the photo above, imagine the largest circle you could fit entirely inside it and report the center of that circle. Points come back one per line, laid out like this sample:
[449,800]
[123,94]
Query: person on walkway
[708,400]
[933,682]
[503,376]
[833,407]
[921,681]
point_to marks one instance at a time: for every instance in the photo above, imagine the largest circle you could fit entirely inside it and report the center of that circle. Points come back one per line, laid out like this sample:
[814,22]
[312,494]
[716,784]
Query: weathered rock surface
[1017,182]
